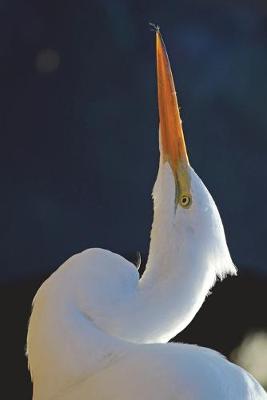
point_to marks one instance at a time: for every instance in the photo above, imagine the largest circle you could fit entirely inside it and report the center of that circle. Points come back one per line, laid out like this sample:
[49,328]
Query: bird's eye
[185,201]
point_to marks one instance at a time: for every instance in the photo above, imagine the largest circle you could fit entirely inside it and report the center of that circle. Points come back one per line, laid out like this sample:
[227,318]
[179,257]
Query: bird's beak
[173,147]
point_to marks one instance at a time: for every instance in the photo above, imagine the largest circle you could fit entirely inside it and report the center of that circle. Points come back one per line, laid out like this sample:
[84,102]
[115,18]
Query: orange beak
[172,138]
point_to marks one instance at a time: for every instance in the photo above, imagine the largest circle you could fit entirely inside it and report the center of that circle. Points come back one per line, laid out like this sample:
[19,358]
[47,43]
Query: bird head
[186,205]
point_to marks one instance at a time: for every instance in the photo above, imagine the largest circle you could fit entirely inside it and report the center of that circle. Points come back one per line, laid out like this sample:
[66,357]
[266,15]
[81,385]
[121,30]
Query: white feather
[99,332]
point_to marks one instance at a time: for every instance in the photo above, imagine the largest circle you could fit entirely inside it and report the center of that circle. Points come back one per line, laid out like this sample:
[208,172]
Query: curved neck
[174,284]
[176,277]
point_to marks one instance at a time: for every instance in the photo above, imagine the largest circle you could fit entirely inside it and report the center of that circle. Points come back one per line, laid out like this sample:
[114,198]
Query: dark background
[79,146]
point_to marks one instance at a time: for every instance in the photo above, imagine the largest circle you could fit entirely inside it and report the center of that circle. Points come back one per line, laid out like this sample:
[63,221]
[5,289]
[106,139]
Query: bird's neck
[174,284]
[176,277]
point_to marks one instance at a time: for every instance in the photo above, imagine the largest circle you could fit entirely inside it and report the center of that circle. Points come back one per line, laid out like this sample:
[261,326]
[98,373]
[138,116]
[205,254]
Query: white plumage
[98,332]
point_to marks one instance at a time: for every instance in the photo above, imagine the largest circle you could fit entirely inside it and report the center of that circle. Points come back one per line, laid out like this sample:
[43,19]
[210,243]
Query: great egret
[99,332]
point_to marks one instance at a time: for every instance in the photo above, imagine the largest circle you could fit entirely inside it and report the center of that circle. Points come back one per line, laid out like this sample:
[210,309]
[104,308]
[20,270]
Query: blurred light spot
[252,355]
[47,60]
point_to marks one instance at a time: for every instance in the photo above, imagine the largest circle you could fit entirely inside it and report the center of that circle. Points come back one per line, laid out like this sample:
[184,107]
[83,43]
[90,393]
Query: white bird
[99,332]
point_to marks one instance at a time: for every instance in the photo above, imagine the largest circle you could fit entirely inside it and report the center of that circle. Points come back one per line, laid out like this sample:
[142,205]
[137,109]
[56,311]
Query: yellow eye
[185,201]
